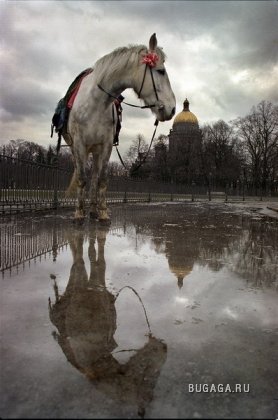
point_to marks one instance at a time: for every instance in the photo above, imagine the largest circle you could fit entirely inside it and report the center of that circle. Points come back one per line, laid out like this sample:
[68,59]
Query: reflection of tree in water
[212,238]
[257,253]
[85,317]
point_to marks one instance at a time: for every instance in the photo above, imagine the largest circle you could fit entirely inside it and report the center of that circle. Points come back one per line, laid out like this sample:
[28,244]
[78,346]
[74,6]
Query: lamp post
[209,187]
[243,186]
[55,181]
[237,187]
[192,191]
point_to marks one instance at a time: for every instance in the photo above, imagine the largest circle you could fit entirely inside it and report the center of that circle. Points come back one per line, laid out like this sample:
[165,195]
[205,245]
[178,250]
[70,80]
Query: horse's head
[153,83]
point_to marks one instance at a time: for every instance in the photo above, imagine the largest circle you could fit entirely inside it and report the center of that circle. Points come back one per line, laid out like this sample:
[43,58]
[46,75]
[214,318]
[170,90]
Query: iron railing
[30,186]
[25,239]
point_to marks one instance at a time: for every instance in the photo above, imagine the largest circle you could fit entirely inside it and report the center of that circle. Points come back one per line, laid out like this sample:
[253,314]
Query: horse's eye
[161,71]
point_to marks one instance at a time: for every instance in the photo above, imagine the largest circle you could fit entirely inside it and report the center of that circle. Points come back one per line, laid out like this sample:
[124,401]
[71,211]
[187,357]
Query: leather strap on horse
[142,84]
[115,97]
[136,106]
[120,157]
[146,155]
[140,90]
[58,147]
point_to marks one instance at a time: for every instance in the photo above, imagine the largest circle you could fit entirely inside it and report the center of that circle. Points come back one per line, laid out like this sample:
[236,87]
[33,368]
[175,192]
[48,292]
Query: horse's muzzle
[163,114]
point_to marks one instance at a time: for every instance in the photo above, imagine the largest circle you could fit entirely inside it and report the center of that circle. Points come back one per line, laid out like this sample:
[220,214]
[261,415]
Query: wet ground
[171,312]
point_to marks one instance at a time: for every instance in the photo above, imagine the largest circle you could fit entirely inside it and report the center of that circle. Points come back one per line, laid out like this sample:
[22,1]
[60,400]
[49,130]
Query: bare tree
[116,169]
[137,150]
[160,167]
[9,149]
[259,133]
[24,149]
[138,159]
[221,157]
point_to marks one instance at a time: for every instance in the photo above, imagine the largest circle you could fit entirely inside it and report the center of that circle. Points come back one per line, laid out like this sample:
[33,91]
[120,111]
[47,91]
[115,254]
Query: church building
[185,139]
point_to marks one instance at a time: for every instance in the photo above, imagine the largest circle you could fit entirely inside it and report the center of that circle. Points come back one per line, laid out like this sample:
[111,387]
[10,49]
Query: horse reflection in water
[85,317]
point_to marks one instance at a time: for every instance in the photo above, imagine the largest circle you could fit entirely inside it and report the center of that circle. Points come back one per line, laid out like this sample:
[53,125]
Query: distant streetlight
[192,191]
[209,188]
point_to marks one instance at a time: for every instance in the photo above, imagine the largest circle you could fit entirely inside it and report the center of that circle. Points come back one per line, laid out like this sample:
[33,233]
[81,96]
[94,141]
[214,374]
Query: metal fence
[26,239]
[20,243]
[30,186]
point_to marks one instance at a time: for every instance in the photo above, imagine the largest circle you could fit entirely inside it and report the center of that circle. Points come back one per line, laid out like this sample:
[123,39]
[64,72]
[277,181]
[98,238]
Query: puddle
[122,321]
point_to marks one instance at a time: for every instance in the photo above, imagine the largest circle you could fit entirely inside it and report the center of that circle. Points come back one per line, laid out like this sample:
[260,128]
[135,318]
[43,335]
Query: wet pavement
[170,312]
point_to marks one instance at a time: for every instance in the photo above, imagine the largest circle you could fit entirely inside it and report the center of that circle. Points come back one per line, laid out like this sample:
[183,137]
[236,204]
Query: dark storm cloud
[222,54]
[29,52]
[246,32]
[29,63]
[26,99]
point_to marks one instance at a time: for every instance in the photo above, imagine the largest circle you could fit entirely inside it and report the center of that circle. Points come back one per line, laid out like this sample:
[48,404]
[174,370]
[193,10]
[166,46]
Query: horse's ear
[153,43]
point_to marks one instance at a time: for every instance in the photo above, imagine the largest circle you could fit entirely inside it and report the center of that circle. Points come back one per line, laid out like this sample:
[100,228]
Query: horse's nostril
[173,111]
[161,107]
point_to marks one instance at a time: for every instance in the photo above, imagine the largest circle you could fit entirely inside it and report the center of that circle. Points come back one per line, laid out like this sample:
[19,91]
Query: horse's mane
[120,57]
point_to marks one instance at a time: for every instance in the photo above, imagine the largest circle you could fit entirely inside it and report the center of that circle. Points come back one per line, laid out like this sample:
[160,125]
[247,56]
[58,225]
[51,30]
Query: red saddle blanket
[74,87]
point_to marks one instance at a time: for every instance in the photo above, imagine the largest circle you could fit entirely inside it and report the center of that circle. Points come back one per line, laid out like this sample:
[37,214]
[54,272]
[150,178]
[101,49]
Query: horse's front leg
[102,188]
[102,205]
[93,188]
[80,162]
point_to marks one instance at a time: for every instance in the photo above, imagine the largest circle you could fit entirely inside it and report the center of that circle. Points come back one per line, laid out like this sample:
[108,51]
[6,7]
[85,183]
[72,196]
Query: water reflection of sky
[207,280]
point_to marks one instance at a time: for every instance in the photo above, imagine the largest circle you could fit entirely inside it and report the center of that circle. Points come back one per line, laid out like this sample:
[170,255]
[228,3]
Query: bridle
[142,84]
[149,60]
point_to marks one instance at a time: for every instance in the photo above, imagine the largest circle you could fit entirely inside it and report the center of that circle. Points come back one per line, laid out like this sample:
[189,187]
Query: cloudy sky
[221,55]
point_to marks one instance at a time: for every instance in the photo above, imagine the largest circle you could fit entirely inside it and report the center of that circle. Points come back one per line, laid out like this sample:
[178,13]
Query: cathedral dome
[180,270]
[185,116]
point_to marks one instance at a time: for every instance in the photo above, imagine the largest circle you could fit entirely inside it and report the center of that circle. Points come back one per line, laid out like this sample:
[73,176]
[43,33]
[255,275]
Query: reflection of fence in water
[21,242]
[252,253]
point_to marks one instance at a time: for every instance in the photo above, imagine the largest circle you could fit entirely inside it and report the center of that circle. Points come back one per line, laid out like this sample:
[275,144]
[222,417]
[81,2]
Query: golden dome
[180,271]
[185,116]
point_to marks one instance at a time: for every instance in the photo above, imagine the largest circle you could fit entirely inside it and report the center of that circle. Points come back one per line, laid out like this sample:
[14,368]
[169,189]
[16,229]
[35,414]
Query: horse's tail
[72,186]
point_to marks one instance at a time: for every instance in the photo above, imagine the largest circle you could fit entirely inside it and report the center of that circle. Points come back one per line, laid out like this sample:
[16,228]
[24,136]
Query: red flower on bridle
[150,59]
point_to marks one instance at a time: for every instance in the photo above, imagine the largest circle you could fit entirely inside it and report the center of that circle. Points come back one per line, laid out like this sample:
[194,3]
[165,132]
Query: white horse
[90,126]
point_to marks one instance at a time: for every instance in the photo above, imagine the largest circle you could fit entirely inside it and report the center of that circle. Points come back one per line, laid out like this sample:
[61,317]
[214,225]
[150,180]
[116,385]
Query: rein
[154,87]
[150,62]
[118,152]
[146,155]
[136,293]
[147,65]
[115,97]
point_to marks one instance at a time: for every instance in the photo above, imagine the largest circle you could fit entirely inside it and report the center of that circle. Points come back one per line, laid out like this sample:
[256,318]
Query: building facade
[184,156]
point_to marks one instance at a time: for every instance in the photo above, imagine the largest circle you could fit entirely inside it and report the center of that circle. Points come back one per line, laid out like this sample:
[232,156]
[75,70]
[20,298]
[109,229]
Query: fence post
[171,190]
[209,186]
[243,187]
[226,192]
[55,192]
[125,197]
[237,187]
[192,191]
[55,179]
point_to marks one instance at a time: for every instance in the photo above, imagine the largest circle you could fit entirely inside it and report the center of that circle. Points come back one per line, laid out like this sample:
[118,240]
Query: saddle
[62,111]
